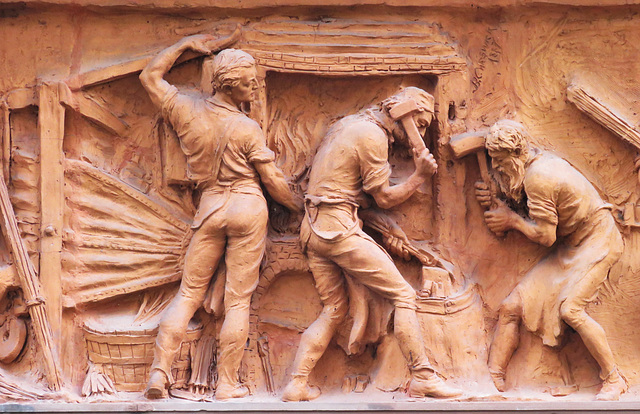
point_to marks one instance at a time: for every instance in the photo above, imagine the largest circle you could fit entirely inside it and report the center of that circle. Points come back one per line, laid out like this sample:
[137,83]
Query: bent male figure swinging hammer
[353,160]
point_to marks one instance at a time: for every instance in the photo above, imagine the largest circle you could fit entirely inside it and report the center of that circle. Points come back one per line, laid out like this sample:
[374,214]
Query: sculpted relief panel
[313,208]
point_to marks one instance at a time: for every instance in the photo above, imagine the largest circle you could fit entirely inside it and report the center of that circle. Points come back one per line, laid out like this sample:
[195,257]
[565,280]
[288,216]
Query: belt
[311,207]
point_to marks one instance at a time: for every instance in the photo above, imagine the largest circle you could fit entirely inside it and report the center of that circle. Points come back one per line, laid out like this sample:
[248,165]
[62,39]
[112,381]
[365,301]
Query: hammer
[473,142]
[403,112]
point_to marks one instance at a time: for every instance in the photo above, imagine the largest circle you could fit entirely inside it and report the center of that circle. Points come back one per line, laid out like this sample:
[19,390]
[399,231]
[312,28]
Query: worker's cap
[423,99]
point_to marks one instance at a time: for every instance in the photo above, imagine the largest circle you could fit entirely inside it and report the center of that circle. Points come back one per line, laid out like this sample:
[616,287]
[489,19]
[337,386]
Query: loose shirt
[221,144]
[351,161]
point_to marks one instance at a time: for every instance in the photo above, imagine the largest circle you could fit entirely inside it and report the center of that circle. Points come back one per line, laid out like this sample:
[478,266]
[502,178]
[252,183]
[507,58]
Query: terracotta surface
[155,244]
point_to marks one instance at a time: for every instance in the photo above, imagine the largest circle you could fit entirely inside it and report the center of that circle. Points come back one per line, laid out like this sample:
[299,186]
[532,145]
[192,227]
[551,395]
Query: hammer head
[467,143]
[403,109]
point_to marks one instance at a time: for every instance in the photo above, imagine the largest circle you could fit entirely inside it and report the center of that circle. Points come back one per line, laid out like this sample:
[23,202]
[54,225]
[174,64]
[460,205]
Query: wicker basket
[126,355]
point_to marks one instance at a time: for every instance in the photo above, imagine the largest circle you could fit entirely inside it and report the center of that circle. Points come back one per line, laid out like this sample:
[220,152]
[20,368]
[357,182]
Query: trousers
[362,258]
[238,230]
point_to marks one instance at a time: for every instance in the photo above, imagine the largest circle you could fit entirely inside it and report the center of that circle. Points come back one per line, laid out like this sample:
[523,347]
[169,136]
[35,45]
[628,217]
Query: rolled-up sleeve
[541,201]
[255,147]
[374,165]
[179,110]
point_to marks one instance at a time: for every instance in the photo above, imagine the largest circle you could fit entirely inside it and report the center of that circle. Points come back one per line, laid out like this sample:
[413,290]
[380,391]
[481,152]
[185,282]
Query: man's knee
[237,302]
[572,313]
[403,296]
[179,311]
[510,309]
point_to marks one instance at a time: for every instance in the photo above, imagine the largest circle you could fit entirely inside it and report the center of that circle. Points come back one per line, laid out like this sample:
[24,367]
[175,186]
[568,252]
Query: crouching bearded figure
[353,160]
[565,211]
[228,158]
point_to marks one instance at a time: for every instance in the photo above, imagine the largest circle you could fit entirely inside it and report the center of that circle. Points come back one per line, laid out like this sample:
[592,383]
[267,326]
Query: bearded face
[511,169]
[399,134]
[422,120]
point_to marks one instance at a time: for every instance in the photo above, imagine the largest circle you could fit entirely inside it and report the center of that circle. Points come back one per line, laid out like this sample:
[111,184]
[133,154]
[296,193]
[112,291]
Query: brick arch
[283,255]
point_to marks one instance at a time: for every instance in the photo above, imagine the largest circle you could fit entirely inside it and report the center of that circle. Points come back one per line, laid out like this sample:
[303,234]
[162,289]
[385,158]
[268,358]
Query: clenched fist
[426,164]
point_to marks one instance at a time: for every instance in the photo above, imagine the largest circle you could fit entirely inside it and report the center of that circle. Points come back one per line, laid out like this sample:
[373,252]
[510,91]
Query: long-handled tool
[403,112]
[426,256]
[30,286]
[263,352]
[473,142]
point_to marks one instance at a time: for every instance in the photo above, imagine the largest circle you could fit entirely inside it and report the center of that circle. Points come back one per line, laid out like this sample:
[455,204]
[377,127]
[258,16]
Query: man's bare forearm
[390,196]
[542,233]
[277,186]
[281,193]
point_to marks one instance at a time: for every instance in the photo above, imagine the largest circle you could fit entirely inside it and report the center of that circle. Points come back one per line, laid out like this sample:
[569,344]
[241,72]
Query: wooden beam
[609,110]
[51,131]
[6,140]
[92,110]
[200,5]
[107,74]
[120,70]
[22,98]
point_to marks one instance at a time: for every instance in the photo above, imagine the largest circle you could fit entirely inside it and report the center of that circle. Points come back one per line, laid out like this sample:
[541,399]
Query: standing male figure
[353,160]
[227,157]
[562,204]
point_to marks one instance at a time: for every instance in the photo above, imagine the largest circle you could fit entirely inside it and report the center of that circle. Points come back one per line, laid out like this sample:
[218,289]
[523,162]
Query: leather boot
[298,389]
[613,386]
[157,386]
[225,391]
[429,384]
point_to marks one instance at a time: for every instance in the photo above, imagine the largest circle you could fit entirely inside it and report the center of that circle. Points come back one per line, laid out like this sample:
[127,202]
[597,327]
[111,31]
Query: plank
[173,5]
[607,109]
[122,69]
[94,111]
[51,131]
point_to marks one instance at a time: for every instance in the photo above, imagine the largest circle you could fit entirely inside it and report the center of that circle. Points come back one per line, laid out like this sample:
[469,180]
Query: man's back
[220,141]
[560,194]
[352,158]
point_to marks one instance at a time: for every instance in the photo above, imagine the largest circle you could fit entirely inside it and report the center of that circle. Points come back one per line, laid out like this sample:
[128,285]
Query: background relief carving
[98,198]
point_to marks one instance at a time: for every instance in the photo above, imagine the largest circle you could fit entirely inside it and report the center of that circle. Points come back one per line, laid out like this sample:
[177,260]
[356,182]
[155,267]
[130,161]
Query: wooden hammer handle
[484,173]
[415,139]
[484,167]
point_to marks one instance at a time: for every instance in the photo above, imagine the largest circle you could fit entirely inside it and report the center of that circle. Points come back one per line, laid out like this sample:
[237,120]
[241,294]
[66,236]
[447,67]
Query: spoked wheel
[13,335]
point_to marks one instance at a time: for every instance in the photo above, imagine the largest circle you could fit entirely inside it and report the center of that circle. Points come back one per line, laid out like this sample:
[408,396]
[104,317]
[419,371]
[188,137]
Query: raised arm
[388,196]
[275,183]
[152,76]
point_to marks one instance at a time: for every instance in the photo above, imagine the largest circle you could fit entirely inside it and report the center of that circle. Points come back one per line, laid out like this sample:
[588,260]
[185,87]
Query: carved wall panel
[99,198]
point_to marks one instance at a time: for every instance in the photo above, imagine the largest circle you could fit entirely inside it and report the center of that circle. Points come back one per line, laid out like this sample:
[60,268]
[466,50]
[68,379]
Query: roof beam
[91,109]
[610,110]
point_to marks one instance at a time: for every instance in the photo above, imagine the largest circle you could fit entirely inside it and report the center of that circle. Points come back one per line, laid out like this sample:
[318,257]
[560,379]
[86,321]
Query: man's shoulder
[363,131]
[548,171]
[242,120]
[181,103]
[548,164]
[245,126]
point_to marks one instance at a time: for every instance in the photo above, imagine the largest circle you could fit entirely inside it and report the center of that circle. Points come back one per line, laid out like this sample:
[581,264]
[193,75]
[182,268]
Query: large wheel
[13,335]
